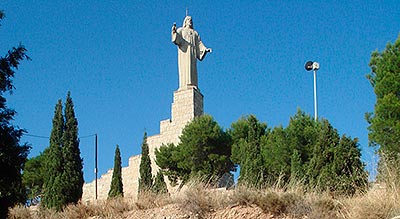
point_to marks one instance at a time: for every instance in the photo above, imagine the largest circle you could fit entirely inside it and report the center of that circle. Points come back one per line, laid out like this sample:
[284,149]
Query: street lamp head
[309,65]
[315,66]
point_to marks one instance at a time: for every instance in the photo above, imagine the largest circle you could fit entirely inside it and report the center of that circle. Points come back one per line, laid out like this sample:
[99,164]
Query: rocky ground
[174,211]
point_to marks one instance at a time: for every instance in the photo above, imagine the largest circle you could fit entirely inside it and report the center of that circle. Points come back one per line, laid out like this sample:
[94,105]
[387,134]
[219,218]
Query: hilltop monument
[187,104]
[190,48]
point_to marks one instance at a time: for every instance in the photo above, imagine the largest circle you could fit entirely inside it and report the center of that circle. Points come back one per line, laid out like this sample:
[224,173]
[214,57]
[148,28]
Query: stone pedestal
[187,104]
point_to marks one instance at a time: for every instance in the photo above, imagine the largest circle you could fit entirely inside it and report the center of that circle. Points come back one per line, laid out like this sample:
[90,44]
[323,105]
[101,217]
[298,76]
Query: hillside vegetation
[197,200]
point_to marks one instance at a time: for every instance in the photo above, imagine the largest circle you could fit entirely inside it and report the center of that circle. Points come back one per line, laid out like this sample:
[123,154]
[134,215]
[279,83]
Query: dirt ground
[174,211]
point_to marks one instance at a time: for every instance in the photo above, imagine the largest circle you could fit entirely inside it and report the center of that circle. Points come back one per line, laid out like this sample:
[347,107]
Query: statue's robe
[190,48]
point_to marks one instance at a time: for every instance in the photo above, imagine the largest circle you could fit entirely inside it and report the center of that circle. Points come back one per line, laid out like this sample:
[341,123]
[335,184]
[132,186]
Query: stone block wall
[187,104]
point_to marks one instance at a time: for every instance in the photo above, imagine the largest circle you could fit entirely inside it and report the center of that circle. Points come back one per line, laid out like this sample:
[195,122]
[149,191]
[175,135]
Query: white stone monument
[187,104]
[190,48]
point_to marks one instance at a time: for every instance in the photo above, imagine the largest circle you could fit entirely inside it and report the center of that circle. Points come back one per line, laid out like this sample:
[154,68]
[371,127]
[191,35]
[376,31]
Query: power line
[45,137]
[36,136]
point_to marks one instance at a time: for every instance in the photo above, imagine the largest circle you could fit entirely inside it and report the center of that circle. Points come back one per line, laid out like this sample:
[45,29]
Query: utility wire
[45,137]
[36,136]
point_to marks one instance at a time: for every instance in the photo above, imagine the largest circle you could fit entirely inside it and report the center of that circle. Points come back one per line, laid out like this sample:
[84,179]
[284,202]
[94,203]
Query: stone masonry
[187,104]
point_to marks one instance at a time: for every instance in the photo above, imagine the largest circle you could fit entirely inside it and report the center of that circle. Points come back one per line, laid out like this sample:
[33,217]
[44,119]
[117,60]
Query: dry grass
[378,203]
[149,200]
[289,202]
[114,208]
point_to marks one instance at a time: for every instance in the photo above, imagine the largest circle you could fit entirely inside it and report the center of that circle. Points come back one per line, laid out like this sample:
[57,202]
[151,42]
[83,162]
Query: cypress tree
[72,175]
[116,188]
[146,179]
[53,163]
[159,187]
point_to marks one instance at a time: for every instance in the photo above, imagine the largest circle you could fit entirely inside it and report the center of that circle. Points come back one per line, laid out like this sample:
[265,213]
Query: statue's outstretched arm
[174,35]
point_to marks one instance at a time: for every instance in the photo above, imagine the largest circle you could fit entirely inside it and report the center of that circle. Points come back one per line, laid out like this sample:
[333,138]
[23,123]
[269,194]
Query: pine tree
[296,168]
[32,178]
[12,154]
[276,155]
[72,171]
[116,188]
[350,175]
[159,187]
[384,129]
[146,179]
[53,163]
[204,152]
[320,172]
[247,134]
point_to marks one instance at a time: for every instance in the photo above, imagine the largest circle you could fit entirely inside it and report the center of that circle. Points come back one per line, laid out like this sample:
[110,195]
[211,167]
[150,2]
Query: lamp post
[95,167]
[315,67]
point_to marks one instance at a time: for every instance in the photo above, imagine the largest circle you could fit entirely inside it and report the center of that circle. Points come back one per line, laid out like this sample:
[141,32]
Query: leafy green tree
[302,133]
[116,188]
[13,155]
[247,134]
[72,162]
[320,167]
[33,177]
[53,164]
[349,172]
[63,179]
[336,164]
[305,150]
[296,167]
[204,151]
[146,178]
[384,129]
[166,159]
[276,155]
[159,186]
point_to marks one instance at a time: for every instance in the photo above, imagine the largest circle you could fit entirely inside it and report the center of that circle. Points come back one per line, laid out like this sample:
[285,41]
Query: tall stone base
[187,104]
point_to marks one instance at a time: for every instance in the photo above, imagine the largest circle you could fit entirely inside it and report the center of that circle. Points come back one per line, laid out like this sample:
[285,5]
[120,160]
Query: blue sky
[117,59]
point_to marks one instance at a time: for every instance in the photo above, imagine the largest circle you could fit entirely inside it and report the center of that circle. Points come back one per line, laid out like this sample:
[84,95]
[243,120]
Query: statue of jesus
[190,48]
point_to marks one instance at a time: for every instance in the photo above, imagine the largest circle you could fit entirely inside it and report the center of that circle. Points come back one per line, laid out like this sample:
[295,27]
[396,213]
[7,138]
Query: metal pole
[95,166]
[315,95]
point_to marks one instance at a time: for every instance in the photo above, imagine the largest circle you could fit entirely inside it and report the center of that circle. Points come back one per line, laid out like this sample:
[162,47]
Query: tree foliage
[384,129]
[159,186]
[63,179]
[72,168]
[12,154]
[33,178]
[204,151]
[305,151]
[247,135]
[116,188]
[53,163]
[146,178]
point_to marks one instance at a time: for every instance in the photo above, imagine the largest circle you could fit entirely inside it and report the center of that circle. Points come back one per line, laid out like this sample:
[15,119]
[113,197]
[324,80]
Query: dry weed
[199,200]
[19,212]
[378,203]
[148,200]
